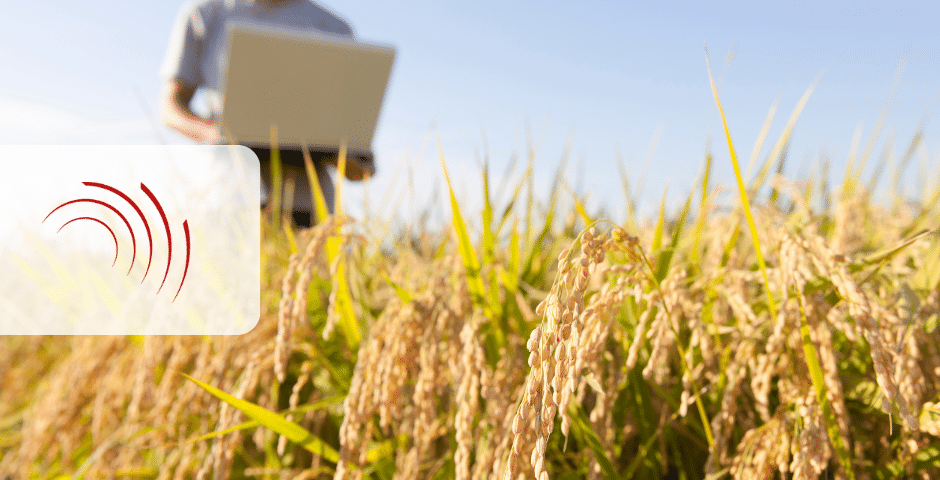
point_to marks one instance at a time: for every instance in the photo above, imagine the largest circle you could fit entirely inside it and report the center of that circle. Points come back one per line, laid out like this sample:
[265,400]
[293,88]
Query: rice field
[787,331]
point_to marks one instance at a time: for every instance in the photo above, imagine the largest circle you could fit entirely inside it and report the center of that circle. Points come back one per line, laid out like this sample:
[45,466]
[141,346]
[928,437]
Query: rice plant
[793,337]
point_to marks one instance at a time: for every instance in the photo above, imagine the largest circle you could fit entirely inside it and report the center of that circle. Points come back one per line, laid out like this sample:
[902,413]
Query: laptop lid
[317,89]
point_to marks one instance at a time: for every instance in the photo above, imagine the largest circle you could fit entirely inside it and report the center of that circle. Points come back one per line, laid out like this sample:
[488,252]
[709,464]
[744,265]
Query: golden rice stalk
[745,204]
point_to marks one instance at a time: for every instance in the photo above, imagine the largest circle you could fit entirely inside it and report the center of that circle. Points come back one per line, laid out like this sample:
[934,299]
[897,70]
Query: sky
[610,78]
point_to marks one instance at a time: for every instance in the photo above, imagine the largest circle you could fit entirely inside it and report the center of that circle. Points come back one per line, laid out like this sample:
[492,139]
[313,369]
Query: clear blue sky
[612,75]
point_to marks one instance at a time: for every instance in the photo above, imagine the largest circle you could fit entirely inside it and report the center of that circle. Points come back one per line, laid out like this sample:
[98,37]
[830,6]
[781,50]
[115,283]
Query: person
[194,61]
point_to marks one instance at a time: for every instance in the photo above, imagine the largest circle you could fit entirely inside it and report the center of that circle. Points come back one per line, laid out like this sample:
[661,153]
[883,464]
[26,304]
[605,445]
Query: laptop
[317,89]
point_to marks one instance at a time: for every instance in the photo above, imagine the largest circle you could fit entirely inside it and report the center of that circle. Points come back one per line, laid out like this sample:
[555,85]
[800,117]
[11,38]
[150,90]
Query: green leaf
[745,204]
[642,457]
[512,200]
[658,233]
[926,212]
[510,274]
[447,471]
[761,137]
[275,422]
[729,245]
[625,181]
[664,261]
[489,239]
[592,382]
[579,207]
[931,324]
[702,211]
[884,256]
[402,293]
[927,458]
[816,374]
[582,427]
[644,413]
[780,147]
[348,323]
[289,233]
[489,249]
[535,248]
[334,400]
[467,254]
[928,276]
[385,449]
[92,456]
[319,200]
[277,178]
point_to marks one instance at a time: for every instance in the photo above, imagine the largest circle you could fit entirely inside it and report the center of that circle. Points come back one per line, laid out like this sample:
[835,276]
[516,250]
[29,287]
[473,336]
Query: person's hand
[211,134]
[357,168]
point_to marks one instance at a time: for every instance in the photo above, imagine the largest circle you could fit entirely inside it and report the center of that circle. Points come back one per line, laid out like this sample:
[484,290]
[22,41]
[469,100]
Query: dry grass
[569,349]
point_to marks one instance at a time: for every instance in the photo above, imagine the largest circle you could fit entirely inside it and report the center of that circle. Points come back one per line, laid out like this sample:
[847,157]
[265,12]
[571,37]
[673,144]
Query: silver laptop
[318,89]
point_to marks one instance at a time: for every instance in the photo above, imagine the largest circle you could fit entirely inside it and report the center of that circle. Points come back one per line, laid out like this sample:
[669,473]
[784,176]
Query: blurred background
[606,76]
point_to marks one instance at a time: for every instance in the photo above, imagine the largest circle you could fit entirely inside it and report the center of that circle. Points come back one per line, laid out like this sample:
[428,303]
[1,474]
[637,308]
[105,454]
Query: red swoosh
[105,226]
[99,202]
[186,268]
[140,213]
[166,225]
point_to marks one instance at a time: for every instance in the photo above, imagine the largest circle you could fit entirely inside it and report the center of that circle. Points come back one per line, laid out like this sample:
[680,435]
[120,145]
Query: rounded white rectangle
[129,240]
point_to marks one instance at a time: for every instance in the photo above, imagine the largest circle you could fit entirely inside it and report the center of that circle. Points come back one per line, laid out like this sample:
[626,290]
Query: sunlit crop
[787,331]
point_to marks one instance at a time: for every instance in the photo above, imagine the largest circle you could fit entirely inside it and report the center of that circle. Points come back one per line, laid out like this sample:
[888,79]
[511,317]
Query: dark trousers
[301,218]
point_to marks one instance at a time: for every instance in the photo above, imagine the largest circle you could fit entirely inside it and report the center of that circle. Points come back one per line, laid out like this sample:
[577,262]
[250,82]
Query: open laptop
[318,89]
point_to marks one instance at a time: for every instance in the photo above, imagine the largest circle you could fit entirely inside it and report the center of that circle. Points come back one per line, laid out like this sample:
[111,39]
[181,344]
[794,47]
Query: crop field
[787,330]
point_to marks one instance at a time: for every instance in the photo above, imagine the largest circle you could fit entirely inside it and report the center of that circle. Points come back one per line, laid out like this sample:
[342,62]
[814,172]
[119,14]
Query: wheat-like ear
[460,352]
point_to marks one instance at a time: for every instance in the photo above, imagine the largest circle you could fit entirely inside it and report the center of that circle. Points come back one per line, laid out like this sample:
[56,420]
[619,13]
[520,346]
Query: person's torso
[218,14]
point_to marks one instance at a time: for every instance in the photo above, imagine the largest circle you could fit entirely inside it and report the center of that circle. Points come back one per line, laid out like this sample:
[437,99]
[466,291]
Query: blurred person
[195,59]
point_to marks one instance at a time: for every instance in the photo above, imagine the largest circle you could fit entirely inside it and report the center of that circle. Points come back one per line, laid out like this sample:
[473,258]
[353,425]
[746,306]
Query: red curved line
[140,213]
[105,226]
[99,202]
[186,268]
[166,225]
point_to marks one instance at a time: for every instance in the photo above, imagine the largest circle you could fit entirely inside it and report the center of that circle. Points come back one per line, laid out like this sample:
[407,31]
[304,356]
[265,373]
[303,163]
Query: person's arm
[176,113]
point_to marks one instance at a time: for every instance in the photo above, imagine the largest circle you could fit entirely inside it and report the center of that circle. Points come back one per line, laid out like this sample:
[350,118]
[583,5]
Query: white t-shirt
[197,53]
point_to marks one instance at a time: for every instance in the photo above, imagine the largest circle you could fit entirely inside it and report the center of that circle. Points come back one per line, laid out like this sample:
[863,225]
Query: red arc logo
[143,218]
